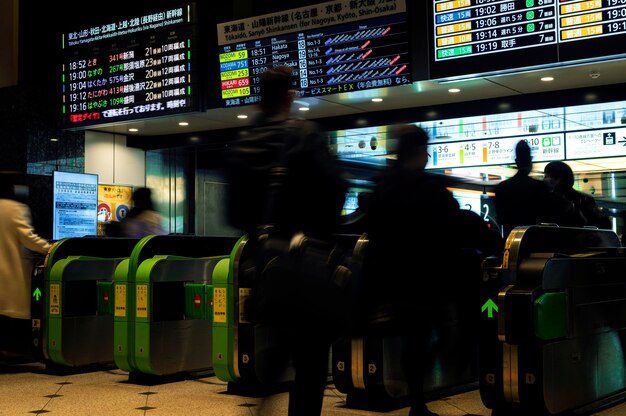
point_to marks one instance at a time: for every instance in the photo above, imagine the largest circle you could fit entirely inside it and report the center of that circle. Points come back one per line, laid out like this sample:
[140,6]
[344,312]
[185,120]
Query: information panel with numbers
[482,36]
[333,47]
[130,69]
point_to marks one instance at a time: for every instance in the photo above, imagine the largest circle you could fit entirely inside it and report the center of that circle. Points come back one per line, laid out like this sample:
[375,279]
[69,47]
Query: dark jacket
[311,193]
[522,200]
[412,226]
[584,208]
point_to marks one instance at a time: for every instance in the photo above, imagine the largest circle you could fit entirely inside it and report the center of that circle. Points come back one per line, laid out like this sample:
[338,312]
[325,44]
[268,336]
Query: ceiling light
[54,139]
[377,100]
[547,79]
[183,123]
[132,129]
[454,90]
[304,108]
[242,116]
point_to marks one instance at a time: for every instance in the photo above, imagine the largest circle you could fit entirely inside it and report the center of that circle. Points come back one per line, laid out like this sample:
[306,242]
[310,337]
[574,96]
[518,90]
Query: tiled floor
[30,389]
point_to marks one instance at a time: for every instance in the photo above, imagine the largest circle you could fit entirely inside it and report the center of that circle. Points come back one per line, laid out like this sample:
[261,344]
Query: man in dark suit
[521,199]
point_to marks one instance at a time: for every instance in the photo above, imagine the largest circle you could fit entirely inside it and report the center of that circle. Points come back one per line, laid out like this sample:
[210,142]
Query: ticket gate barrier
[163,308]
[552,335]
[78,291]
[236,341]
[368,369]
[238,344]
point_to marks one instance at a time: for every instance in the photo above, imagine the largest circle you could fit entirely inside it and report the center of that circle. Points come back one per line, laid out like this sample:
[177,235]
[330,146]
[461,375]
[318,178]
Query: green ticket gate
[163,308]
[78,292]
[227,316]
[553,328]
[237,344]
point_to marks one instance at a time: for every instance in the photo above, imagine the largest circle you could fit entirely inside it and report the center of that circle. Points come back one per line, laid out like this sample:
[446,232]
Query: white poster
[75,204]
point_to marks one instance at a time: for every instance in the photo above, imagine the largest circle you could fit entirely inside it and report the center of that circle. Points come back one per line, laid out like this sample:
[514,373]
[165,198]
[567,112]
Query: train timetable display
[333,47]
[481,36]
[591,29]
[129,69]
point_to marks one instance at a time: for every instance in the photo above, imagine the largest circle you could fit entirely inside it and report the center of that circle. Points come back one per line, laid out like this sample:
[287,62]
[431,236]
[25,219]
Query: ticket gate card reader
[80,322]
[556,345]
[226,317]
[78,295]
[123,305]
[128,293]
[173,313]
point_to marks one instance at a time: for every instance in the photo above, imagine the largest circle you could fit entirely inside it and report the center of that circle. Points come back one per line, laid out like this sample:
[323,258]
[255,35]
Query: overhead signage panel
[130,69]
[472,37]
[335,47]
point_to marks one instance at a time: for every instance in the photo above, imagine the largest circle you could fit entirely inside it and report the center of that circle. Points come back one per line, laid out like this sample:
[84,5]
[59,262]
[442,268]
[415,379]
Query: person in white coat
[17,238]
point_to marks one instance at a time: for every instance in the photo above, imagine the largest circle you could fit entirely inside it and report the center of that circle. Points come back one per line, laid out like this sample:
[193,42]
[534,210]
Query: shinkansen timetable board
[486,35]
[334,47]
[129,69]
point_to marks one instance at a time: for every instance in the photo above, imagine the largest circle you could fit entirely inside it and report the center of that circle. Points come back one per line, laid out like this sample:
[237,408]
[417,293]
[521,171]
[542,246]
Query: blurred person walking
[142,219]
[410,204]
[281,173]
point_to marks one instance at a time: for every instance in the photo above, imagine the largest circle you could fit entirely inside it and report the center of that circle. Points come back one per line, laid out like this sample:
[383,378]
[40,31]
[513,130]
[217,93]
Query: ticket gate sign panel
[219,305]
[55,299]
[141,310]
[120,300]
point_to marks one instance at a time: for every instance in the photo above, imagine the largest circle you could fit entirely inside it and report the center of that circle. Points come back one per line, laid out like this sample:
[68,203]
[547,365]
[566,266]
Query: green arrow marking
[36,294]
[490,306]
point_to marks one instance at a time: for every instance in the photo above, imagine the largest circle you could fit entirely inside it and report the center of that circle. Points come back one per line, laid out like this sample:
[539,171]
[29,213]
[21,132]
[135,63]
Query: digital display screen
[482,36]
[333,47]
[130,69]
[75,203]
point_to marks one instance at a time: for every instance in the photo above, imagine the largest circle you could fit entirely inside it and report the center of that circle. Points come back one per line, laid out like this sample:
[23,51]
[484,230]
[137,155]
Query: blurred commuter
[307,196]
[142,219]
[17,242]
[581,208]
[412,264]
[521,199]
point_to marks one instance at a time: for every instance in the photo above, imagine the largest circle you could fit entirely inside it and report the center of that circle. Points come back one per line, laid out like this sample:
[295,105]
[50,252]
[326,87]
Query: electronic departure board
[482,36]
[130,69]
[333,47]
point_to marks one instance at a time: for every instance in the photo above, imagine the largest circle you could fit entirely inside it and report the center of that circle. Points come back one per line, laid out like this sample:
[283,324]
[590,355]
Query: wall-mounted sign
[75,202]
[130,69]
[334,47]
[471,37]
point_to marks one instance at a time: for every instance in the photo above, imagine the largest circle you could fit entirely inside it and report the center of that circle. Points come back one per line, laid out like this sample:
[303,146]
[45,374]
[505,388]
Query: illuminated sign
[75,201]
[130,69]
[482,36]
[334,47]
